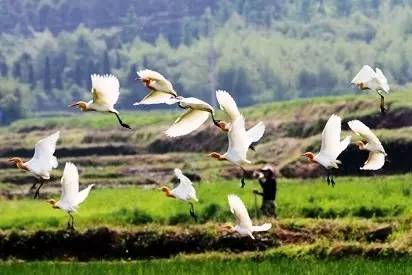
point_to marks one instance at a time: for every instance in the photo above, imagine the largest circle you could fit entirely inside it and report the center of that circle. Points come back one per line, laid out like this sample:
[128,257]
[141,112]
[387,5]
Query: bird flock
[105,94]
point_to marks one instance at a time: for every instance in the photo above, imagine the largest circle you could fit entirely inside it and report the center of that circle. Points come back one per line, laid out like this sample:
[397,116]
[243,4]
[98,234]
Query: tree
[106,63]
[47,83]
[17,69]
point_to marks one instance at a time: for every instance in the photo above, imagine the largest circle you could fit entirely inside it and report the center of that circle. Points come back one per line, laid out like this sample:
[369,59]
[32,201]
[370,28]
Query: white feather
[105,90]
[156,97]
[158,81]
[239,142]
[43,160]
[256,132]
[375,161]
[185,190]
[227,104]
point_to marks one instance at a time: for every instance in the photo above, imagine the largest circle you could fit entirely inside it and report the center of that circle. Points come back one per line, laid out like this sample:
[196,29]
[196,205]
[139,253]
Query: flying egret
[239,139]
[70,198]
[42,161]
[368,79]
[377,154]
[105,93]
[197,112]
[184,191]
[160,89]
[244,224]
[331,147]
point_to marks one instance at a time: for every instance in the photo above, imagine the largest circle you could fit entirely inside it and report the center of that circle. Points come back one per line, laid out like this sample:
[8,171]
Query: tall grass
[384,196]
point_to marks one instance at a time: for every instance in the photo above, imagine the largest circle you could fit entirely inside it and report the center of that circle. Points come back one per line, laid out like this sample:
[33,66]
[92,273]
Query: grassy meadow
[365,197]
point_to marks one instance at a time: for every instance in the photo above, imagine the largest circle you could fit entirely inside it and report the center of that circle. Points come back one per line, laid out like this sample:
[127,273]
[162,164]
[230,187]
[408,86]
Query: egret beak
[74,105]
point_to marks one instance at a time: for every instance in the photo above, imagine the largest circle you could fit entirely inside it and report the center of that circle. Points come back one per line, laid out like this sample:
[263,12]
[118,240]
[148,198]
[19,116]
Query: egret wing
[185,189]
[362,130]
[187,123]
[256,132]
[70,183]
[44,150]
[227,104]
[375,161]
[82,195]
[160,82]
[238,209]
[263,227]
[156,97]
[105,89]
[331,136]
[365,75]
[196,103]
[382,80]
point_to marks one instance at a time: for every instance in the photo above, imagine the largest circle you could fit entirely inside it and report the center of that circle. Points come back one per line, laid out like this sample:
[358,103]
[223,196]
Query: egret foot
[252,147]
[382,106]
[192,212]
[37,193]
[121,122]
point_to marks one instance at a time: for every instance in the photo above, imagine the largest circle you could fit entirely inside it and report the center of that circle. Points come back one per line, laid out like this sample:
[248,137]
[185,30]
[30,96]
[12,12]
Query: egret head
[53,202]
[223,125]
[360,145]
[167,191]
[310,156]
[227,227]
[18,162]
[81,105]
[146,82]
[216,156]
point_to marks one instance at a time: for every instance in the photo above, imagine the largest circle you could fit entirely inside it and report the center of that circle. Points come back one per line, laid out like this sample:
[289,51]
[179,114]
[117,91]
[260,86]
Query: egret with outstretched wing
[42,162]
[160,89]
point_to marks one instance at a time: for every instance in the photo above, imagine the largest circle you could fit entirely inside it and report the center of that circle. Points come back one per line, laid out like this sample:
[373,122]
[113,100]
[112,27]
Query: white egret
[160,89]
[368,79]
[243,224]
[42,162]
[377,153]
[184,191]
[71,197]
[105,93]
[331,147]
[197,112]
[239,139]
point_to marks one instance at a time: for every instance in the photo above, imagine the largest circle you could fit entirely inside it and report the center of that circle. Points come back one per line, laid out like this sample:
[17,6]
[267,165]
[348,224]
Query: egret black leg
[70,225]
[33,187]
[328,177]
[382,106]
[37,194]
[121,122]
[215,122]
[192,211]
[332,178]
[252,147]
[242,180]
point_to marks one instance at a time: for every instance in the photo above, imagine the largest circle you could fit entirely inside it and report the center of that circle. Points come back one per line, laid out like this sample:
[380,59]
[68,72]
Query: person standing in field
[267,180]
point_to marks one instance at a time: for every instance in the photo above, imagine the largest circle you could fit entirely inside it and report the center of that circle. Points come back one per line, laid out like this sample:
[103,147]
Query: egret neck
[167,191]
[81,105]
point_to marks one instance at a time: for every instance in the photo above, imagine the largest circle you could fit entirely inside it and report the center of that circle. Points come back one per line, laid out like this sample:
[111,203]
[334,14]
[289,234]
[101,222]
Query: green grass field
[273,266]
[365,197]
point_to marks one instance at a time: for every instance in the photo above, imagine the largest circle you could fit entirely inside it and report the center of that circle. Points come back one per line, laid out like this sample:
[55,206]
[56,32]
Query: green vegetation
[206,266]
[370,197]
[259,50]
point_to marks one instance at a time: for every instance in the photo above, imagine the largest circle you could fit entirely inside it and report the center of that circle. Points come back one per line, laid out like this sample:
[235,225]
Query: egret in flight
[197,112]
[331,147]
[105,93]
[160,89]
[377,153]
[368,79]
[184,191]
[70,198]
[243,224]
[240,140]
[42,162]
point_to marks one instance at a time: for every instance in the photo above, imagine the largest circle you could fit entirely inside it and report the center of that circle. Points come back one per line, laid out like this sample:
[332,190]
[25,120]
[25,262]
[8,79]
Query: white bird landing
[368,79]
[184,191]
[160,89]
[377,153]
[331,147]
[240,140]
[197,112]
[42,162]
[105,93]
[243,224]
[70,198]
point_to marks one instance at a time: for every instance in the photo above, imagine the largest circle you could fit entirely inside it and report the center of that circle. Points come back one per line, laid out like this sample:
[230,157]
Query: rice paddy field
[127,225]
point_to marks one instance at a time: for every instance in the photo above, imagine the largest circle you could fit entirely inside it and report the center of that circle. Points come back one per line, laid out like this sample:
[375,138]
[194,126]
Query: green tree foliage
[259,50]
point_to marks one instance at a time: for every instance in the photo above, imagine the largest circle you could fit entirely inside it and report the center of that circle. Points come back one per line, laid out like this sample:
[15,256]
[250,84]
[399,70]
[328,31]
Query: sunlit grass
[367,197]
